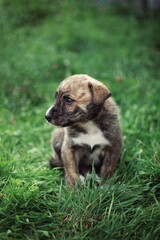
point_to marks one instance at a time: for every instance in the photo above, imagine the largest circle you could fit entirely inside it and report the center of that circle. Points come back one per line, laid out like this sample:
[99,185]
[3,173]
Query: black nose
[48,117]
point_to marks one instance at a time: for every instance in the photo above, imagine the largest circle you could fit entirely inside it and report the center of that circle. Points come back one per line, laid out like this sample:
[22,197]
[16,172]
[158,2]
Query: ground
[42,43]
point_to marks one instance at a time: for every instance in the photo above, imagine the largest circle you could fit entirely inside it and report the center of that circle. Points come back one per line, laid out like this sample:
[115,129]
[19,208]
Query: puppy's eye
[69,100]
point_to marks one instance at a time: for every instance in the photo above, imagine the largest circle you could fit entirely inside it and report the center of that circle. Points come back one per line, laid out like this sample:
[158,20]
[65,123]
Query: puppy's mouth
[59,121]
[51,120]
[52,117]
[66,119]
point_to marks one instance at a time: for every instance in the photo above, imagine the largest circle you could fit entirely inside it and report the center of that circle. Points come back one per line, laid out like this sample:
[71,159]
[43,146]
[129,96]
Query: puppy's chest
[91,136]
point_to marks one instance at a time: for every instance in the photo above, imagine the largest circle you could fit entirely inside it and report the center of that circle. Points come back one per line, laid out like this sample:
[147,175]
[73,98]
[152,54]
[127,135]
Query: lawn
[41,43]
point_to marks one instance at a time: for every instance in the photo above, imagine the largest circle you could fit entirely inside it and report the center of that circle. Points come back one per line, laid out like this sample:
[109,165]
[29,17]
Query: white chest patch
[94,136]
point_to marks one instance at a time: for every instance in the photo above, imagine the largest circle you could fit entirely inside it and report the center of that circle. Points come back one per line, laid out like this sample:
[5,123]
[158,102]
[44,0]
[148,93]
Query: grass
[40,45]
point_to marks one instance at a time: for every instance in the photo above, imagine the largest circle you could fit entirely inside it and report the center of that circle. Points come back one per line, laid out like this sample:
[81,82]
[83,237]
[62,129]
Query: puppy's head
[79,98]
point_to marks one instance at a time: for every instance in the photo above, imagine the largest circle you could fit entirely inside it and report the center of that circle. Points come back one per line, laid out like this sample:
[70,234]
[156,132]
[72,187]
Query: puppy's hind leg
[56,143]
[55,162]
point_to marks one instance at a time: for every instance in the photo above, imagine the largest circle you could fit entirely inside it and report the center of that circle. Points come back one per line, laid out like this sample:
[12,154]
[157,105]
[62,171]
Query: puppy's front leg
[109,163]
[70,165]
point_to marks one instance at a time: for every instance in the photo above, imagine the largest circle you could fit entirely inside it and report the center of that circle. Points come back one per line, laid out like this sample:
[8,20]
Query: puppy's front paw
[72,180]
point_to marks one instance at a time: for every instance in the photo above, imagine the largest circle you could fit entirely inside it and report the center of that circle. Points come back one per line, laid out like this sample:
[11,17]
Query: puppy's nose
[48,117]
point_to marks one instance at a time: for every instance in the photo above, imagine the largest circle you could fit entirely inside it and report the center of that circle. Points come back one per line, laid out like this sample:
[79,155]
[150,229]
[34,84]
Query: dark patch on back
[93,110]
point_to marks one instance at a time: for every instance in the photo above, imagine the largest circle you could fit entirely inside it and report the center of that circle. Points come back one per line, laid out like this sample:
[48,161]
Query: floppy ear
[99,92]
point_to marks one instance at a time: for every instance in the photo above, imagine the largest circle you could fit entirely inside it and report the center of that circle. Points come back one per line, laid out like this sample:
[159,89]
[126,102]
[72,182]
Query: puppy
[89,134]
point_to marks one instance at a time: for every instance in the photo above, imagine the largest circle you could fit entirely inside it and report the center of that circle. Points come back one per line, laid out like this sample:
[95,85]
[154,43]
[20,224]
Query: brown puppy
[90,133]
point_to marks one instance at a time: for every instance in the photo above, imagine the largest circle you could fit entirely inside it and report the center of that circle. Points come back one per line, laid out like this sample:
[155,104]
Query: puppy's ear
[99,92]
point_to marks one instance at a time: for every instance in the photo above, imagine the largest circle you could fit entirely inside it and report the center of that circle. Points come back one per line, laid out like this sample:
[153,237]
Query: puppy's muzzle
[49,114]
[48,117]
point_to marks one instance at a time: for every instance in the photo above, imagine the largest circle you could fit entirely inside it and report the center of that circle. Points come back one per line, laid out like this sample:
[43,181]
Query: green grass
[40,45]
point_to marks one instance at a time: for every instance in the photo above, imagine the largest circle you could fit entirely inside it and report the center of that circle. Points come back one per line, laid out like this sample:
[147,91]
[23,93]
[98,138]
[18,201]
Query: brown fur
[90,132]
